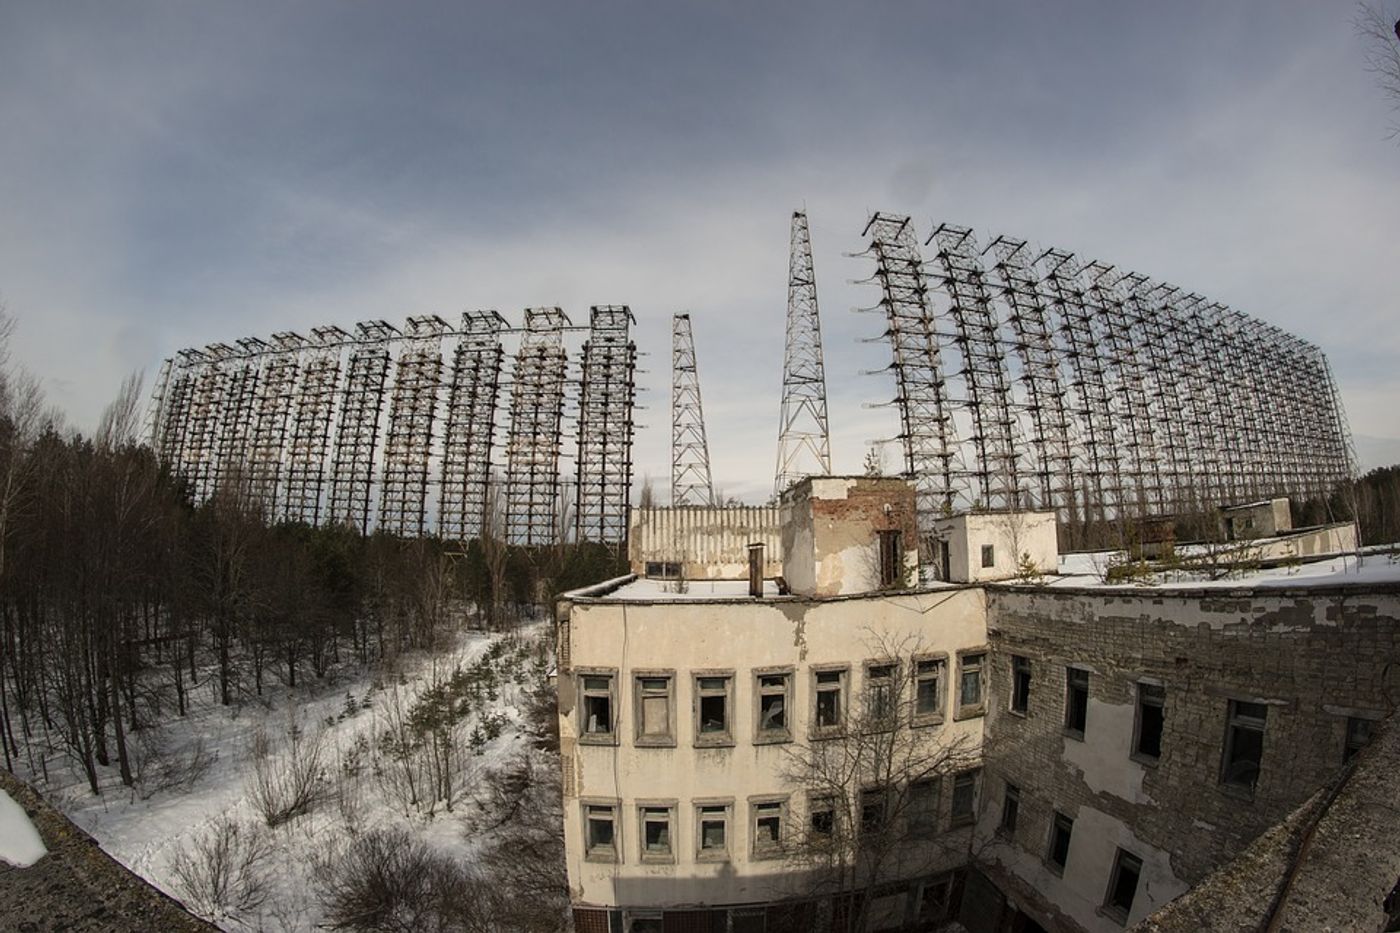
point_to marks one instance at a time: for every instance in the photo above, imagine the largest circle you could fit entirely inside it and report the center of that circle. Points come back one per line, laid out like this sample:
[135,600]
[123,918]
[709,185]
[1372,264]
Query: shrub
[389,882]
[286,785]
[222,871]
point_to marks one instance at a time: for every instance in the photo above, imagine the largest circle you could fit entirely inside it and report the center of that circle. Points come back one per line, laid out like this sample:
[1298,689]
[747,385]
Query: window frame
[762,736]
[585,737]
[1114,911]
[593,853]
[816,730]
[1056,819]
[1020,664]
[759,851]
[890,544]
[890,683]
[939,715]
[823,803]
[1235,720]
[704,739]
[652,740]
[1010,810]
[880,795]
[912,829]
[989,557]
[956,819]
[972,710]
[1140,701]
[1070,730]
[644,855]
[1350,747]
[698,808]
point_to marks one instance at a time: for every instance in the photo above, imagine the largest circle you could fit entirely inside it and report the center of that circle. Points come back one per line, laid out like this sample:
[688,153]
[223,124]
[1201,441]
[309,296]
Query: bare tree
[1378,27]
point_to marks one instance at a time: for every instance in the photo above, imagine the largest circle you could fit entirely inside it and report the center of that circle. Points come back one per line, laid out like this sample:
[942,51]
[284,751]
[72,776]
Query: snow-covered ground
[20,843]
[352,718]
[1090,569]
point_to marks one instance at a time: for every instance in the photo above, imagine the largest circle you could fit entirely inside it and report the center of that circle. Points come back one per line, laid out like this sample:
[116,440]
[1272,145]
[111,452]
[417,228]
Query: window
[921,814]
[645,921]
[1076,701]
[934,900]
[1358,735]
[1244,744]
[1020,684]
[652,702]
[600,831]
[970,684]
[1147,731]
[874,810]
[928,690]
[597,708]
[1010,809]
[965,797]
[829,688]
[879,695]
[1057,856]
[821,819]
[1122,885]
[774,692]
[989,558]
[664,570]
[712,705]
[767,820]
[712,831]
[657,830]
[891,558]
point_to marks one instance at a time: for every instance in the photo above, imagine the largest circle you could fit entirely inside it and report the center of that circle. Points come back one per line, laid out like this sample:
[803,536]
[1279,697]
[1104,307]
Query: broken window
[1076,701]
[1244,744]
[767,827]
[1061,827]
[928,689]
[597,708]
[657,831]
[646,921]
[921,814]
[965,797]
[1151,711]
[821,819]
[773,692]
[970,683]
[712,831]
[1358,735]
[830,689]
[600,831]
[891,558]
[935,898]
[1122,885]
[988,556]
[653,703]
[879,695]
[1020,684]
[1010,809]
[712,703]
[874,810]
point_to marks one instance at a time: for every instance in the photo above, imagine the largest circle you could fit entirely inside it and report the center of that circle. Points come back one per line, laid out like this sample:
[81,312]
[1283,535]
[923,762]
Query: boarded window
[654,700]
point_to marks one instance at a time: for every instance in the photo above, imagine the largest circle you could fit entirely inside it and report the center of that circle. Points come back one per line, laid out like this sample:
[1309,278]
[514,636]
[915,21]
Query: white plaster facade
[983,547]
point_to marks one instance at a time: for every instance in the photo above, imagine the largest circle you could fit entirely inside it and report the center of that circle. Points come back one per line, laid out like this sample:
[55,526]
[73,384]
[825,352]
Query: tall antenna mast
[690,454]
[804,440]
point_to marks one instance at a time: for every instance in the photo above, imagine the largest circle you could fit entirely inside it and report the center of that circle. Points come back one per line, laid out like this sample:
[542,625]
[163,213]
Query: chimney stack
[756,570]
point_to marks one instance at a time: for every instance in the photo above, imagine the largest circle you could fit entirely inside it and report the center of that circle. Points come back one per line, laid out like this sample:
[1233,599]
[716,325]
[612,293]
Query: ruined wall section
[1312,656]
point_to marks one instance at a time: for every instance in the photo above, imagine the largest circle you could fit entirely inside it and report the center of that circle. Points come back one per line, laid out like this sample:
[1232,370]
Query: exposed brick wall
[1312,655]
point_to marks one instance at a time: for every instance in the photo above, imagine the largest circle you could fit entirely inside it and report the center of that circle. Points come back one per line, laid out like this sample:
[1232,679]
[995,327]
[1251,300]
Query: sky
[179,173]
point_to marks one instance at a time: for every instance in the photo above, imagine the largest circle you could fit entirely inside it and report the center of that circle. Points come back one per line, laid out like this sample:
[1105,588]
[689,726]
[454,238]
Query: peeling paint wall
[710,543]
[1012,536]
[831,529]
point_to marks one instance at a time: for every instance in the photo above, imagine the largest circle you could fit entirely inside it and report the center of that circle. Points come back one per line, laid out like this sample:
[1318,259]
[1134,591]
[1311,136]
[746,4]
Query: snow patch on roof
[20,843]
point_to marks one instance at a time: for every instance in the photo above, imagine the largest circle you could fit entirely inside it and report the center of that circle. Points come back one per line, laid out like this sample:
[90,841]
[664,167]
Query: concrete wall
[739,636]
[1314,656]
[710,543]
[1010,535]
[1256,519]
[1309,542]
[830,531]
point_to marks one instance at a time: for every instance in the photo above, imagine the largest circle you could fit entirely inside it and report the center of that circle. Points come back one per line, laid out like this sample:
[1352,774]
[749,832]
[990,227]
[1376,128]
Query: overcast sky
[173,174]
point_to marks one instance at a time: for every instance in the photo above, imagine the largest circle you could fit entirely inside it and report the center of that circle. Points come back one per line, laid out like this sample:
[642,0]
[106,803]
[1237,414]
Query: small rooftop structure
[982,547]
[843,535]
[1251,520]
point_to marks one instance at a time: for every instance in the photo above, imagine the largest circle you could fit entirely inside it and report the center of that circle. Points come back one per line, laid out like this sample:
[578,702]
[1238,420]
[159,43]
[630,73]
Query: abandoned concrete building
[1014,746]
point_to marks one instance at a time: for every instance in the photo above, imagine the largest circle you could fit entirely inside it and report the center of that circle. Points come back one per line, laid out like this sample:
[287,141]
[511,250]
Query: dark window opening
[664,570]
[928,694]
[1358,735]
[1122,885]
[988,556]
[713,705]
[891,558]
[1076,701]
[873,805]
[597,705]
[829,685]
[1060,830]
[822,819]
[1020,684]
[964,798]
[1244,744]
[970,681]
[879,686]
[1010,808]
[1151,712]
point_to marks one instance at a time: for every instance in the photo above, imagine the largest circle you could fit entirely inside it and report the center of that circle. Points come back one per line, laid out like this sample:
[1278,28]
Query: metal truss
[804,439]
[357,435]
[200,445]
[174,398]
[1051,427]
[920,390]
[533,441]
[236,420]
[469,432]
[408,444]
[311,425]
[272,411]
[994,475]
[608,390]
[691,482]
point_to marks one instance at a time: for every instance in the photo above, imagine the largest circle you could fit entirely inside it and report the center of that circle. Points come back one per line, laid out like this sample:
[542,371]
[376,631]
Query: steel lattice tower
[804,439]
[201,441]
[536,417]
[311,425]
[352,465]
[236,424]
[469,433]
[408,443]
[609,388]
[691,482]
[995,475]
[272,413]
[176,396]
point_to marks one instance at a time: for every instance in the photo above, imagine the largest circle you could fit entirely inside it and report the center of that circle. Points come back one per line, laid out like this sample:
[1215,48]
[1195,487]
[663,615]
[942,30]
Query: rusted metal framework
[470,428]
[1136,399]
[608,389]
[408,443]
[533,440]
[172,404]
[804,439]
[311,426]
[691,482]
[272,411]
[236,423]
[357,435]
[200,445]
